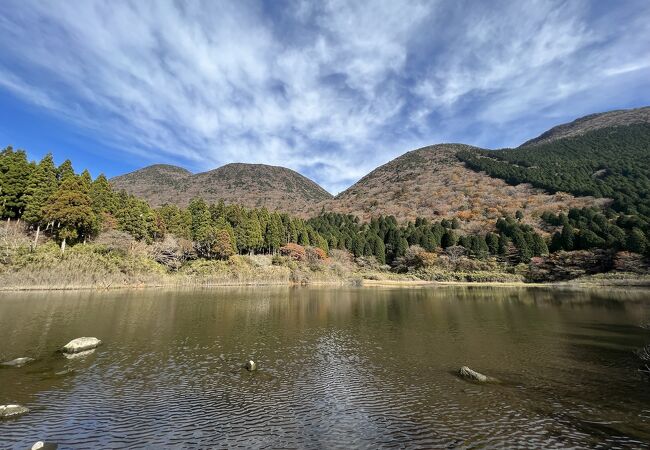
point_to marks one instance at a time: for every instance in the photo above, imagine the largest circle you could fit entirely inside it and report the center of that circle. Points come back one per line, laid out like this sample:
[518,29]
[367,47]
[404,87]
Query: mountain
[597,160]
[432,182]
[592,122]
[155,184]
[608,162]
[252,185]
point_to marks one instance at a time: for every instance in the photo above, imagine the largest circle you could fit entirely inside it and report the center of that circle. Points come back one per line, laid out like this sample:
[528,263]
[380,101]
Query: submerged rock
[250,365]
[80,354]
[472,375]
[40,445]
[8,411]
[18,362]
[81,344]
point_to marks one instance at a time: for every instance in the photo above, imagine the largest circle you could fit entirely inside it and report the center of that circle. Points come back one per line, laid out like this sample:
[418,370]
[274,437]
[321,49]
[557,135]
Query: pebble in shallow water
[18,362]
[8,411]
[250,365]
[472,375]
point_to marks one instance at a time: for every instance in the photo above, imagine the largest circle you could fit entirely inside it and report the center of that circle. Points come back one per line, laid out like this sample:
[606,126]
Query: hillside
[252,185]
[593,122]
[593,161]
[432,182]
[611,162]
[155,183]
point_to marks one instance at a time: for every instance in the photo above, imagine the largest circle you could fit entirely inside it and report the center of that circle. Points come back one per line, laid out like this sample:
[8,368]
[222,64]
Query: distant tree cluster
[590,228]
[387,241]
[609,162]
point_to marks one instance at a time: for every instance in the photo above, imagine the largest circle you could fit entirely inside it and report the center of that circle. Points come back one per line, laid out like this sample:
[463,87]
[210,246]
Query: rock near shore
[9,411]
[472,375]
[81,344]
[18,362]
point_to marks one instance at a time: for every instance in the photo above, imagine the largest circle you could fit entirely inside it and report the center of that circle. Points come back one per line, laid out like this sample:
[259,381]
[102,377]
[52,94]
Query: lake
[349,367]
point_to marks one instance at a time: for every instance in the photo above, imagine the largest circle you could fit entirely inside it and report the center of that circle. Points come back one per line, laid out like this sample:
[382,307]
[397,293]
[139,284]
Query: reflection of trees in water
[344,348]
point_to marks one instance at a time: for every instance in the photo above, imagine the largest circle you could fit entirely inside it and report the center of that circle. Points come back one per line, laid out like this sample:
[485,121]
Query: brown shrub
[293,251]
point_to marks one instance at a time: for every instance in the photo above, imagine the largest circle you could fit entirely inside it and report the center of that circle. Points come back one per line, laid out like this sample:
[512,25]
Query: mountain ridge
[431,181]
[591,122]
[253,185]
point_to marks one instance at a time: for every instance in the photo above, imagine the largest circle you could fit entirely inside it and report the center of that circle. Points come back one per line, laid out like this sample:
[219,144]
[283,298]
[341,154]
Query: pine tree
[538,245]
[205,234]
[556,242]
[200,215]
[303,237]
[568,237]
[449,239]
[40,187]
[102,196]
[64,171]
[524,250]
[636,241]
[492,241]
[253,239]
[136,218]
[14,173]
[273,237]
[378,249]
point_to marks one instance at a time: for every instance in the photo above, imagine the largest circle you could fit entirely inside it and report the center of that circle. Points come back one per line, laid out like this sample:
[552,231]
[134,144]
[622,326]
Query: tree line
[387,241]
[591,228]
[73,208]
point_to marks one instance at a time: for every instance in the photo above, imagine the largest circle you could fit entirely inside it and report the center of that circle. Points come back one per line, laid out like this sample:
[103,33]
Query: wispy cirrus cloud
[331,89]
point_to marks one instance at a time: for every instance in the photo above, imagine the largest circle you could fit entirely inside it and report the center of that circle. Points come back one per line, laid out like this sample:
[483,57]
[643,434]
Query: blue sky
[331,89]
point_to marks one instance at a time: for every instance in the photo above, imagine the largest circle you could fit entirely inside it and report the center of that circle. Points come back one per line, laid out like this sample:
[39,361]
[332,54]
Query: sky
[331,89]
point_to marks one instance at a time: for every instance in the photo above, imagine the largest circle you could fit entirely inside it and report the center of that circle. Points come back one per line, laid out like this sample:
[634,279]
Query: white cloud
[331,89]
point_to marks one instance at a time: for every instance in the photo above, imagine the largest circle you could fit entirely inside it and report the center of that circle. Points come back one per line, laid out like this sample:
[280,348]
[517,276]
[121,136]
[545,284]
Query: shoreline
[574,284]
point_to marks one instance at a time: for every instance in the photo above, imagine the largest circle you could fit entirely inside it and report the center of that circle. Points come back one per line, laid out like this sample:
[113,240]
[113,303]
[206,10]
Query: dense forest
[611,162]
[384,239]
[73,208]
[590,228]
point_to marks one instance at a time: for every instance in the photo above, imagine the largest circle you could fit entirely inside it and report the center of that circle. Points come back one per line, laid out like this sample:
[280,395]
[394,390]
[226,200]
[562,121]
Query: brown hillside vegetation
[251,185]
[431,182]
[593,122]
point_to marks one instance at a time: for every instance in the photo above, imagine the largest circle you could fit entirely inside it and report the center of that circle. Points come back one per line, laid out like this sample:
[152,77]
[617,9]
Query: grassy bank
[118,263]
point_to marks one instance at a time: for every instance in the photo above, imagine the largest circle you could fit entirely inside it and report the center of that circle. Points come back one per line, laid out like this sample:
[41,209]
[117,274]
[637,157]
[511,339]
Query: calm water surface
[339,368]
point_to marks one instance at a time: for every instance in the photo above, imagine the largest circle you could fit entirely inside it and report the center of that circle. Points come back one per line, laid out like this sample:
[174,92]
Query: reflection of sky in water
[360,367]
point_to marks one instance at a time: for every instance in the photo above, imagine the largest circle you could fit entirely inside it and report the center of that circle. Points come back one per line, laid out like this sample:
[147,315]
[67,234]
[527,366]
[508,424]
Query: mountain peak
[252,185]
[582,125]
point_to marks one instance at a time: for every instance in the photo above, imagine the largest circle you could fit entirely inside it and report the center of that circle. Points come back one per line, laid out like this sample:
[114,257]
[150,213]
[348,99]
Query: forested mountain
[593,122]
[251,185]
[612,162]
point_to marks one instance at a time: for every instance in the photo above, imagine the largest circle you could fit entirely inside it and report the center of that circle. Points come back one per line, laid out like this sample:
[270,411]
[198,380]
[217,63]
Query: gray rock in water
[8,411]
[40,445]
[18,362]
[250,365]
[469,374]
[81,344]
[79,355]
